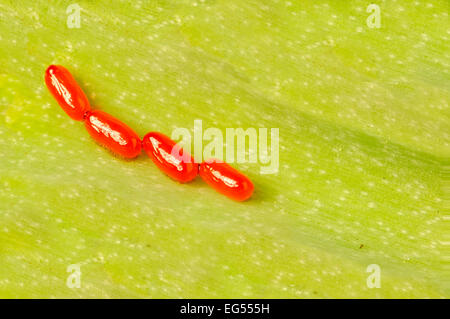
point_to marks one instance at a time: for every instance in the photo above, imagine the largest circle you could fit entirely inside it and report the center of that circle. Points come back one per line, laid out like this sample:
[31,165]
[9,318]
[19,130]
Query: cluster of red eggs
[122,140]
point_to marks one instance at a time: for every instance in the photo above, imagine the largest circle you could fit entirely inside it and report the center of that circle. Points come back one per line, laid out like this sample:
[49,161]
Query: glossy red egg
[169,157]
[226,179]
[113,134]
[67,92]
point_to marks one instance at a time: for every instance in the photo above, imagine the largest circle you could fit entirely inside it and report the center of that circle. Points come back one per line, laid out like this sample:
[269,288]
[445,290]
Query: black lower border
[219,308]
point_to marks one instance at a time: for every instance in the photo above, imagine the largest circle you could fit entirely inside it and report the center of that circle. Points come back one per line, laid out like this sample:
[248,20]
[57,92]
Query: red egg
[67,92]
[226,179]
[113,134]
[169,157]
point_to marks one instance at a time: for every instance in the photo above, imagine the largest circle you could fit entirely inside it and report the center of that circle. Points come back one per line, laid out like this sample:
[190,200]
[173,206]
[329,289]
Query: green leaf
[363,118]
